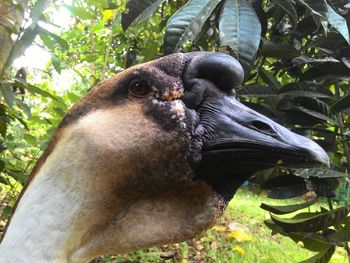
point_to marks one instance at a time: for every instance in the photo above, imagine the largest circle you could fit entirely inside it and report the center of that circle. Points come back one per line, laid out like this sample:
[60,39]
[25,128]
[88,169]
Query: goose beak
[251,141]
[235,136]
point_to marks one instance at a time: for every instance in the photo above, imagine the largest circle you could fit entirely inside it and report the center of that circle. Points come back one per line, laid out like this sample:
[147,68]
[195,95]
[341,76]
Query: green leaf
[79,12]
[318,172]
[3,127]
[342,233]
[8,94]
[256,91]
[278,50]
[305,90]
[288,7]
[341,105]
[47,41]
[240,29]
[312,222]
[24,107]
[339,23]
[322,257]
[187,23]
[311,241]
[301,60]
[2,165]
[56,63]
[329,71]
[139,9]
[100,4]
[319,11]
[269,79]
[324,187]
[34,89]
[284,186]
[30,139]
[317,7]
[286,209]
[63,43]
[313,113]
[73,97]
[7,211]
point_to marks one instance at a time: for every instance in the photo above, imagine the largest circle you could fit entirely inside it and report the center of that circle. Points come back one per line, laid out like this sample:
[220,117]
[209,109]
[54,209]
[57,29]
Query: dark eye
[139,88]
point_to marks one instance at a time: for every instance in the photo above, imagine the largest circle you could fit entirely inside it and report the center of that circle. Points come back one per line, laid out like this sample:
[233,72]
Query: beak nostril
[263,127]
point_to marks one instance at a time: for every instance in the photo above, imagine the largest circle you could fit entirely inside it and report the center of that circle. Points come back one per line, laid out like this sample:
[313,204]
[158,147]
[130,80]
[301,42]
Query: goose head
[151,156]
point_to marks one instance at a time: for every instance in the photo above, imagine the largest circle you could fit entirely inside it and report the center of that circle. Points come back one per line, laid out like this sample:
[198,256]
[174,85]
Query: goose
[149,157]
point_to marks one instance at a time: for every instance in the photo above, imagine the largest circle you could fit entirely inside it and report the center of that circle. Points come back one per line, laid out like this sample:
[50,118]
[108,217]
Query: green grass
[216,245]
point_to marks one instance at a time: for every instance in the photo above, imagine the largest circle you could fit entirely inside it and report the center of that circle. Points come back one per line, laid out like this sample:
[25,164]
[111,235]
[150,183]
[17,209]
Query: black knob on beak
[219,68]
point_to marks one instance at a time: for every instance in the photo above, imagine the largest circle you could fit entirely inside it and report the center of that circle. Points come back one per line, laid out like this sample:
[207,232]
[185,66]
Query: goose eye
[139,88]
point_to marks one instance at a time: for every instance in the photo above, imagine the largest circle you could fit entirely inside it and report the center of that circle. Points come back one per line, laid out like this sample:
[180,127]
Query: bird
[148,157]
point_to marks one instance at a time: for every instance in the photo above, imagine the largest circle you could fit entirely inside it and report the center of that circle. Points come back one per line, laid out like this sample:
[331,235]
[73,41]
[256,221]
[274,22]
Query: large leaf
[319,11]
[240,29]
[311,241]
[60,41]
[332,42]
[286,209]
[312,222]
[269,79]
[313,61]
[305,90]
[339,23]
[187,23]
[317,7]
[256,91]
[313,113]
[318,172]
[79,12]
[330,71]
[257,4]
[288,7]
[278,50]
[34,89]
[139,9]
[284,186]
[100,4]
[24,107]
[47,41]
[322,257]
[8,94]
[324,187]
[341,105]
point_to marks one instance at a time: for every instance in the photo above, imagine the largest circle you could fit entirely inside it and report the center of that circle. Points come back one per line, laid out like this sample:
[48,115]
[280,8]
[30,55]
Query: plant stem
[330,204]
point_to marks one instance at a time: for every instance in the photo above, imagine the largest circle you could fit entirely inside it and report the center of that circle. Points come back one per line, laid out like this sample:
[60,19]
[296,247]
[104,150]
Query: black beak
[252,141]
[236,139]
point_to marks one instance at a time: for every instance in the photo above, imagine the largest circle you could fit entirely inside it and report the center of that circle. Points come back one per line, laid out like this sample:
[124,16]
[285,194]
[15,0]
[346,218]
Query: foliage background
[296,58]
